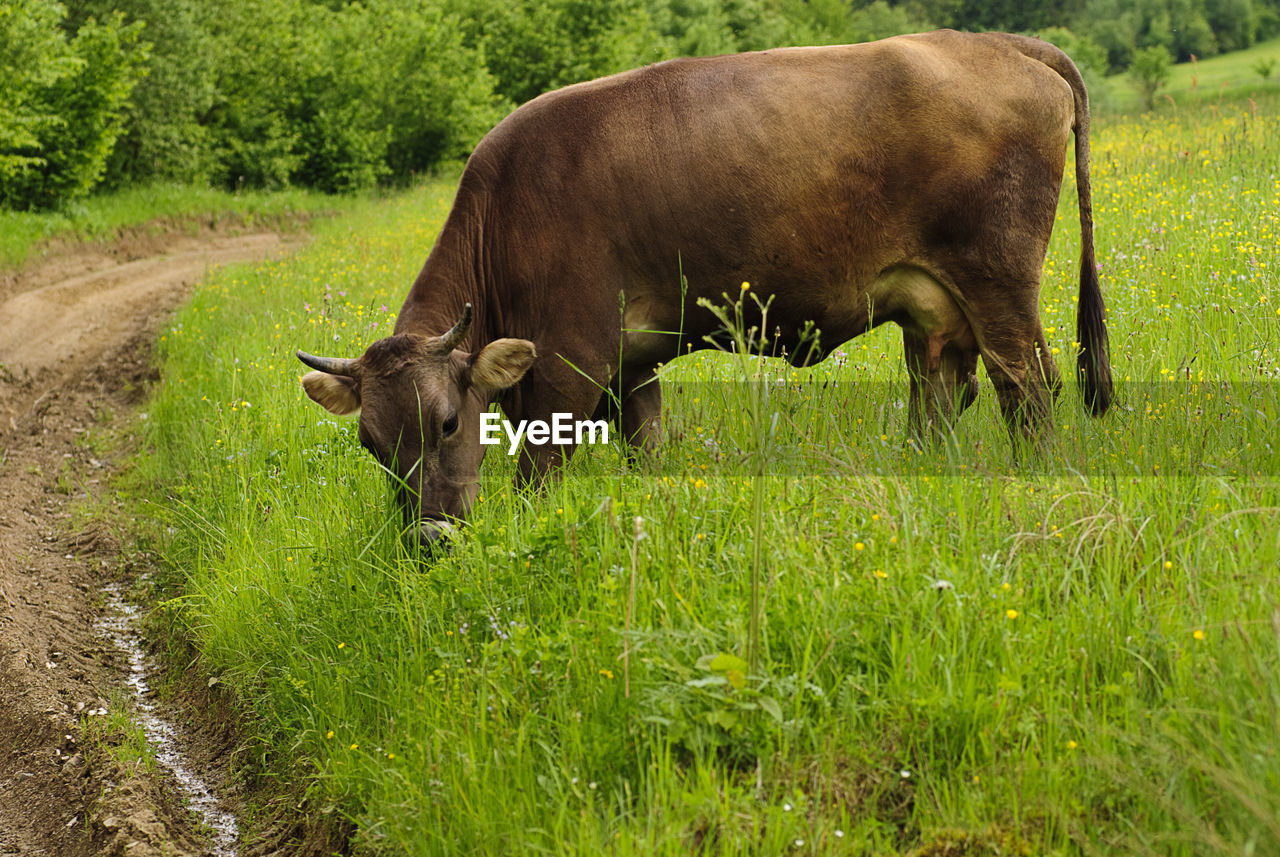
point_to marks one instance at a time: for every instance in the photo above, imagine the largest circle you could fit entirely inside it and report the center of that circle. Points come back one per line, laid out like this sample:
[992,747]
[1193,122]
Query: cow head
[420,400]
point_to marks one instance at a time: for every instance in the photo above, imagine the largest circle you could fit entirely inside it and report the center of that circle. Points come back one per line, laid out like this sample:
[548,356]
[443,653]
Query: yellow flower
[1198,634]
[1168,564]
[329,734]
[607,673]
[745,285]
[858,546]
[1011,613]
[355,746]
[1071,745]
[880,573]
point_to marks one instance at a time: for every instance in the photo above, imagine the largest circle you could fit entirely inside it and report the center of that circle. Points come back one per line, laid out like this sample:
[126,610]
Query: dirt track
[75,335]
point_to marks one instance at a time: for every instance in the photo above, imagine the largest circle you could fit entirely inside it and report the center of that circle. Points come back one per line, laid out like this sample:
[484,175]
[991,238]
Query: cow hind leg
[1023,373]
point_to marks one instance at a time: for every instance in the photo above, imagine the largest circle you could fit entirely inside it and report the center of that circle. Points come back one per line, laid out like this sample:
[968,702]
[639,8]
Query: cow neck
[451,278]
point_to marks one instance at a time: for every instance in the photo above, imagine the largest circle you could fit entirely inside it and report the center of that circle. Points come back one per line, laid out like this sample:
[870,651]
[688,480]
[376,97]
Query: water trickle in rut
[120,624]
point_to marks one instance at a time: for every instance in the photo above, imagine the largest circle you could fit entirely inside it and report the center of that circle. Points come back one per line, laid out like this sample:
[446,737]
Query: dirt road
[75,335]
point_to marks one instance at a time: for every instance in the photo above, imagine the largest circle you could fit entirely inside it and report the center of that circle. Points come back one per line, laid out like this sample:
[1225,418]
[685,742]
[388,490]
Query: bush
[1150,71]
[166,133]
[62,114]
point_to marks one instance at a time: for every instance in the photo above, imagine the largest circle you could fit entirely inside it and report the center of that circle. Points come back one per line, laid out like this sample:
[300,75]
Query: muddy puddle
[120,623]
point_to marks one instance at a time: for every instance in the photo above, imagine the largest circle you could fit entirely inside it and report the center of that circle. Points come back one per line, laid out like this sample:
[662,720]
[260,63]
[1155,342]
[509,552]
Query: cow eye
[450,425]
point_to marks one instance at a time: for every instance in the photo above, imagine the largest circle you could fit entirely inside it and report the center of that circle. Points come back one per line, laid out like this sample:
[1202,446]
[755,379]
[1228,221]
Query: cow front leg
[641,421]
[944,382]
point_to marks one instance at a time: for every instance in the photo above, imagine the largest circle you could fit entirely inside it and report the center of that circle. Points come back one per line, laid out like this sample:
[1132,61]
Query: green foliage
[343,95]
[33,56]
[60,117]
[1150,71]
[1265,67]
[167,133]
[532,46]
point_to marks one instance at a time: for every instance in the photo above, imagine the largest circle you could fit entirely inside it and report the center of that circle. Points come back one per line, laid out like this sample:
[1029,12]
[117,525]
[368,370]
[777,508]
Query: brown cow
[912,180]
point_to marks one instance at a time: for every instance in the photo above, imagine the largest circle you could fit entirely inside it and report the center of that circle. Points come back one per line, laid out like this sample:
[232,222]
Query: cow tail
[1093,360]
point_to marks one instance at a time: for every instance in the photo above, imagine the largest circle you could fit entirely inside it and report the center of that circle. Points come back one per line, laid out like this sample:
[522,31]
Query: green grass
[1227,77]
[104,216]
[959,655]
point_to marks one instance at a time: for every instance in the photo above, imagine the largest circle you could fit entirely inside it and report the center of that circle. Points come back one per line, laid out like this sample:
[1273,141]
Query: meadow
[959,654]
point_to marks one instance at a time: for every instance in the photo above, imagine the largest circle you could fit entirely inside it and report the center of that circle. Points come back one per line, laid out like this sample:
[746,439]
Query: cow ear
[502,363]
[335,393]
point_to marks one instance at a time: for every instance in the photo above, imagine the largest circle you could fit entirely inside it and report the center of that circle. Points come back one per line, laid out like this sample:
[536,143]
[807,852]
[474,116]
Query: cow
[913,179]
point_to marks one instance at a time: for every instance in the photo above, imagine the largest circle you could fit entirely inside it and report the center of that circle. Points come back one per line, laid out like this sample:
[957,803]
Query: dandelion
[1011,613]
[1198,634]
[859,546]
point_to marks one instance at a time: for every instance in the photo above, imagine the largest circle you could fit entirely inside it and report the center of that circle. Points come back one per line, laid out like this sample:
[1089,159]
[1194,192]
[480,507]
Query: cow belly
[922,306]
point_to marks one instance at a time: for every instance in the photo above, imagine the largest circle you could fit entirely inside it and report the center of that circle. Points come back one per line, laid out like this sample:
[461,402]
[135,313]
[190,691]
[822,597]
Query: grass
[105,216]
[1228,77]
[958,654]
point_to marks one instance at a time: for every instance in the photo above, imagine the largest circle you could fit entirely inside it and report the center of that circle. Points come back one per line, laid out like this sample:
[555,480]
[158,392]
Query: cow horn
[457,333]
[333,365]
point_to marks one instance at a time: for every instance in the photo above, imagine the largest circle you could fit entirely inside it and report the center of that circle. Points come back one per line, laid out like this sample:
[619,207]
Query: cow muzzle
[434,534]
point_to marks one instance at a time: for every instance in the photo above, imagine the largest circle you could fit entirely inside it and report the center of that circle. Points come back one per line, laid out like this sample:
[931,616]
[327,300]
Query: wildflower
[607,673]
[355,746]
[881,573]
[1011,613]
[745,285]
[1071,745]
[1198,634]
[329,734]
[858,546]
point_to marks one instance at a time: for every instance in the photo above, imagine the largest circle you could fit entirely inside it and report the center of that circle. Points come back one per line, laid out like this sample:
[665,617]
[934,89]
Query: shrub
[1150,71]
[64,115]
